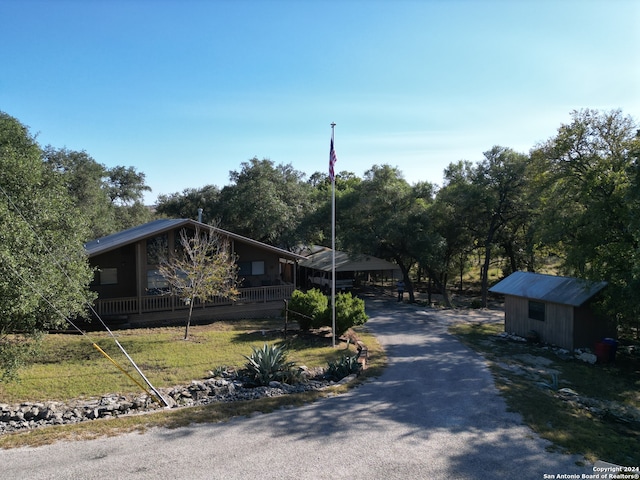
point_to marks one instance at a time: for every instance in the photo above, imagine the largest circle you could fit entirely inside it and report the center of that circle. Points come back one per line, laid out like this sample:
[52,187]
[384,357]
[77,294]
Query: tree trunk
[407,281]
[484,272]
[440,281]
[511,255]
[461,265]
[445,293]
[408,285]
[186,330]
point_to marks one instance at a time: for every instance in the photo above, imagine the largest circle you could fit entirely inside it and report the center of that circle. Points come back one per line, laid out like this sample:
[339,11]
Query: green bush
[269,364]
[315,305]
[311,305]
[343,367]
[349,313]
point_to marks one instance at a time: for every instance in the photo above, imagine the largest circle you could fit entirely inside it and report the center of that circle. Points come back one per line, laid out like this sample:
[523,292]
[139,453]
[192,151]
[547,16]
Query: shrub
[311,304]
[269,364]
[349,313]
[343,367]
[315,305]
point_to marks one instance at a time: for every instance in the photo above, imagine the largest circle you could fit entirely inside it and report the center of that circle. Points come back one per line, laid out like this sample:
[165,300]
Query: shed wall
[559,325]
[556,329]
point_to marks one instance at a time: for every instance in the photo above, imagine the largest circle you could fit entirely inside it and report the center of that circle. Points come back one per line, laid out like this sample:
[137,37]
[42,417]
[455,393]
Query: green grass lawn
[572,428]
[69,367]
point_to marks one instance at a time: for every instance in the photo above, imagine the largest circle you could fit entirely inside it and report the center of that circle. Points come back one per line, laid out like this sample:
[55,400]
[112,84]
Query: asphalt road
[433,414]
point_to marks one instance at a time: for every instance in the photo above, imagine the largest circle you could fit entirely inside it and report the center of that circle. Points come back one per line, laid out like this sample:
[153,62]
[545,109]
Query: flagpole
[333,245]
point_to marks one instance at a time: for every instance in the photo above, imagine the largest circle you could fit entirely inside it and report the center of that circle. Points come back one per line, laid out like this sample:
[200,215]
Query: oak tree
[44,272]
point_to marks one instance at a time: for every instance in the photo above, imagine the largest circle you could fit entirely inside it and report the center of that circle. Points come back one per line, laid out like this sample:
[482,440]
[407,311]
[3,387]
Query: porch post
[141,262]
[295,274]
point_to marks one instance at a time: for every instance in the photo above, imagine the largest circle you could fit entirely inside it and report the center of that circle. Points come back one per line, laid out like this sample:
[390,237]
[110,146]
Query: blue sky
[185,91]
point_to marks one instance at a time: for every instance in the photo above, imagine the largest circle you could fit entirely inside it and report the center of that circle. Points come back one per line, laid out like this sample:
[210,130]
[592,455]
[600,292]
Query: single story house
[131,290]
[557,308]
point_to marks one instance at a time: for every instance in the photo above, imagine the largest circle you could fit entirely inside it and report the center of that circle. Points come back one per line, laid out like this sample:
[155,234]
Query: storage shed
[557,308]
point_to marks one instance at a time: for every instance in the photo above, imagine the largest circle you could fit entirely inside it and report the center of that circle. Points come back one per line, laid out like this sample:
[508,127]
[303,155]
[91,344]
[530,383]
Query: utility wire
[95,313]
[95,345]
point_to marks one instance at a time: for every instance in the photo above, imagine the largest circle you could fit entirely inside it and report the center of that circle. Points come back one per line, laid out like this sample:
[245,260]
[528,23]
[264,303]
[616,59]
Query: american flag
[332,161]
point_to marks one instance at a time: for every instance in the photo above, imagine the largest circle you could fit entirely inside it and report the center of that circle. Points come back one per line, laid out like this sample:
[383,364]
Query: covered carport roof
[345,262]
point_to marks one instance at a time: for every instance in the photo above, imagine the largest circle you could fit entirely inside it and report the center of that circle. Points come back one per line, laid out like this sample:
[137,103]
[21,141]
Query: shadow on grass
[298,340]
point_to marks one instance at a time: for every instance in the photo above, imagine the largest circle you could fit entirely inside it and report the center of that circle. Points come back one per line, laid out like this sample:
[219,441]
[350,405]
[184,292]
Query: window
[108,276]
[257,268]
[156,283]
[250,268]
[536,310]
[157,248]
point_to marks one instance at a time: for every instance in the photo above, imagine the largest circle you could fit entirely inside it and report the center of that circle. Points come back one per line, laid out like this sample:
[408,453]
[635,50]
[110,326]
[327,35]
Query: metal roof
[345,262]
[151,229]
[548,288]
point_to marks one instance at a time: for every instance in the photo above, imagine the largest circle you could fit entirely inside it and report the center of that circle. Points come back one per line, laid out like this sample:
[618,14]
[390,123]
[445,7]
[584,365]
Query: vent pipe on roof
[200,215]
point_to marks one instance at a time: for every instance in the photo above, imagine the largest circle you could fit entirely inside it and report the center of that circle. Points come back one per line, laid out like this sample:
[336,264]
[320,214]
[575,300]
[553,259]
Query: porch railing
[159,303]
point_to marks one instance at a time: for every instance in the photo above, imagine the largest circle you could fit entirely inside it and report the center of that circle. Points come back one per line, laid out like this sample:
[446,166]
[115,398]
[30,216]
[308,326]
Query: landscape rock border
[28,416]
[538,370]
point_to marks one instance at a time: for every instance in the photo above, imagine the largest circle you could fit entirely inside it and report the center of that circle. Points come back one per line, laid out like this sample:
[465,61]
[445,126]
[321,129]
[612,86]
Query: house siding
[272,274]
[121,259]
[128,296]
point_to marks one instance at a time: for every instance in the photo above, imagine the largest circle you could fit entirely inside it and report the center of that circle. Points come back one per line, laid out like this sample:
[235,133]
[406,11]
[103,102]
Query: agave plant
[553,385]
[343,367]
[269,364]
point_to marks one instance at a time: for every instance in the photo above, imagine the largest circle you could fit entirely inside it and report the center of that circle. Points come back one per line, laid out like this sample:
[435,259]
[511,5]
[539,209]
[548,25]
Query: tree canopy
[44,272]
[266,202]
[488,199]
[571,204]
[574,198]
[187,204]
[385,216]
[588,183]
[109,199]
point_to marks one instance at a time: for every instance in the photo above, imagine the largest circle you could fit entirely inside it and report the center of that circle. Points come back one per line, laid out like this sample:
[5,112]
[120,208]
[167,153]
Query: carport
[363,269]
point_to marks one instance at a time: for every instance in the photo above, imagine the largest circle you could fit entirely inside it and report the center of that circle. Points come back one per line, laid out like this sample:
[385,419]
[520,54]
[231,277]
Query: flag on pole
[332,161]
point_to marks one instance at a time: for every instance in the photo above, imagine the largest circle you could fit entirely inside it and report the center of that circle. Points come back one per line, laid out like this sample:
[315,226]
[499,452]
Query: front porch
[154,309]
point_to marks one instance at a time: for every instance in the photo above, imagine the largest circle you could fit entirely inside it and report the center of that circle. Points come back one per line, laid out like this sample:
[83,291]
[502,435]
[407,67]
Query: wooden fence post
[286,317]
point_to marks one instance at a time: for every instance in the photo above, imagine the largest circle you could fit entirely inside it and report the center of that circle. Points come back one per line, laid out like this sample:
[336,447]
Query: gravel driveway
[433,414]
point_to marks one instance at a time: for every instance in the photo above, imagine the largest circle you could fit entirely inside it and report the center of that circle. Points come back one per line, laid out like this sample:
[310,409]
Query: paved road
[433,414]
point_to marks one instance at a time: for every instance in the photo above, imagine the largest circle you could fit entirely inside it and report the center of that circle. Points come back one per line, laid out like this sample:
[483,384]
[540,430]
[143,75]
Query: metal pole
[333,251]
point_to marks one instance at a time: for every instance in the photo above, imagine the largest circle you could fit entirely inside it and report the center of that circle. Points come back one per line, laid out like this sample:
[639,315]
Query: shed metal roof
[151,229]
[548,288]
[345,262]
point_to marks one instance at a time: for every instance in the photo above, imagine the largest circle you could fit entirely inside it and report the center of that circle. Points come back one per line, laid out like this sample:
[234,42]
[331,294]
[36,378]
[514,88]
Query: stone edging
[27,416]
